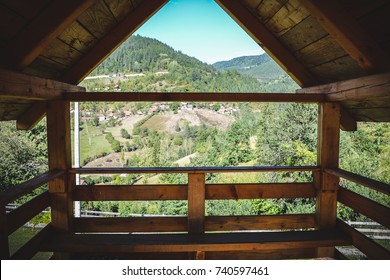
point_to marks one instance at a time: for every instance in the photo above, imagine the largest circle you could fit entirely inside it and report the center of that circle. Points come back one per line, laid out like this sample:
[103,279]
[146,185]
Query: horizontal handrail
[363,243]
[22,189]
[192,97]
[208,169]
[365,206]
[180,192]
[361,180]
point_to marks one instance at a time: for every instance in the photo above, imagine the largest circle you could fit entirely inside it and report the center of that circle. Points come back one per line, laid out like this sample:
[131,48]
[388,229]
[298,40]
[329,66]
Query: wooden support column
[196,207]
[327,157]
[59,148]
[4,245]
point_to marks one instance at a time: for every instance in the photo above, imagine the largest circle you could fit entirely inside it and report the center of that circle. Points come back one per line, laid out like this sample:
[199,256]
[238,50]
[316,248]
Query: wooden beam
[23,214]
[59,150]
[28,250]
[262,222]
[14,85]
[196,97]
[196,203]
[4,243]
[327,157]
[255,191]
[201,169]
[22,51]
[368,87]
[131,224]
[20,190]
[349,34]
[131,192]
[259,32]
[32,116]
[369,247]
[122,243]
[112,40]
[365,206]
[361,180]
[347,122]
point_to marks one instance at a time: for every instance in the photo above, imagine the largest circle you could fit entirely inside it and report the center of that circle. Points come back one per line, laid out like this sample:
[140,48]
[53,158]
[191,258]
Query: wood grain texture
[268,8]
[133,224]
[281,254]
[24,213]
[256,29]
[121,243]
[365,206]
[32,115]
[77,37]
[196,203]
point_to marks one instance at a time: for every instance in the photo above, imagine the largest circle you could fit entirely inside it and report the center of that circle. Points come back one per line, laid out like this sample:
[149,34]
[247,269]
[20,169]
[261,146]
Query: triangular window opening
[185,134]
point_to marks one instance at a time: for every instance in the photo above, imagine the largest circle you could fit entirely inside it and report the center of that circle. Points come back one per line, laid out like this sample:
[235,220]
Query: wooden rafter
[15,85]
[194,97]
[39,33]
[32,116]
[112,40]
[372,86]
[257,30]
[349,34]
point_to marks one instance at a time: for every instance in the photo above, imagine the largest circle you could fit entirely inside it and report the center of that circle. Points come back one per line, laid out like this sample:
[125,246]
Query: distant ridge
[260,67]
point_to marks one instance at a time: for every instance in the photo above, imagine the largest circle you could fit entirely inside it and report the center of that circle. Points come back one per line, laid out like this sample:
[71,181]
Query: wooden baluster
[4,244]
[196,207]
[59,147]
[327,157]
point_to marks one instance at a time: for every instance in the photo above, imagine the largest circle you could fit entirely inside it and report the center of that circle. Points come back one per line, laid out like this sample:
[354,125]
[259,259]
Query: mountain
[261,67]
[147,64]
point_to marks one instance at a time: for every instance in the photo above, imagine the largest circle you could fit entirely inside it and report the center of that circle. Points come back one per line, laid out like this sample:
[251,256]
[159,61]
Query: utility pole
[77,204]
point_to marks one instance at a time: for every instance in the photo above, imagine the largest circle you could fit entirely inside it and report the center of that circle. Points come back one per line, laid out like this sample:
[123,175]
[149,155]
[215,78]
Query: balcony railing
[210,237]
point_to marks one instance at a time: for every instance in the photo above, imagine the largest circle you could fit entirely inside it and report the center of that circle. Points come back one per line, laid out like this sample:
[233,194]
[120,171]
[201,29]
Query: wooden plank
[133,224]
[365,206]
[303,34]
[255,191]
[122,243]
[40,32]
[132,192]
[349,34]
[268,8]
[281,254]
[24,213]
[372,249]
[120,9]
[196,203]
[28,250]
[112,40]
[371,114]
[61,53]
[371,86]
[361,180]
[15,85]
[78,38]
[327,157]
[22,189]
[196,97]
[262,222]
[288,16]
[347,121]
[4,244]
[221,169]
[32,116]
[59,150]
[256,29]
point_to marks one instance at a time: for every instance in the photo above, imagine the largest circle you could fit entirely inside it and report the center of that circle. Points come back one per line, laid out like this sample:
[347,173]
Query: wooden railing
[297,229]
[10,222]
[367,207]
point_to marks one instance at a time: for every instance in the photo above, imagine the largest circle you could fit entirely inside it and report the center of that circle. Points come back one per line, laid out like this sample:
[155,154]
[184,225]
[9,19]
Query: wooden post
[196,206]
[327,157]
[59,148]
[4,244]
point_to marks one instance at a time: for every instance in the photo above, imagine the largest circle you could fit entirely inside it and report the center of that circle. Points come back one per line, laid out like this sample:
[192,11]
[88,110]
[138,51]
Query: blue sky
[200,28]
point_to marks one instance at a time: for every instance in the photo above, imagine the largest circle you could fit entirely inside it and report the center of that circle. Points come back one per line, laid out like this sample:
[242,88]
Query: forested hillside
[196,134]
